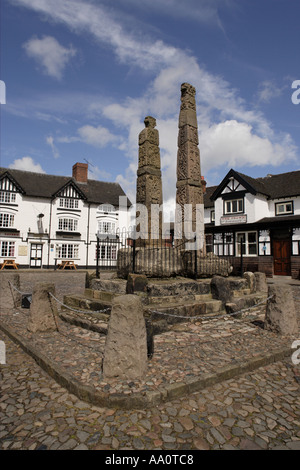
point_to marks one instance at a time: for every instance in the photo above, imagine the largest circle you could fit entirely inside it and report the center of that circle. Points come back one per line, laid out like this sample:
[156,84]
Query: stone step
[187,309]
[117,286]
[238,293]
[101,295]
[86,305]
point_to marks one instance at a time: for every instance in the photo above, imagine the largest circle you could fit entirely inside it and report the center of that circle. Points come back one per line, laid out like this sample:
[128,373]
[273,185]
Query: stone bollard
[281,314]
[125,353]
[43,310]
[261,282]
[136,283]
[221,289]
[9,296]
[251,280]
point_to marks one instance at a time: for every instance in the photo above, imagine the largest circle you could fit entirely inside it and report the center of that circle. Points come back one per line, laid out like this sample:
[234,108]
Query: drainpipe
[49,234]
[88,237]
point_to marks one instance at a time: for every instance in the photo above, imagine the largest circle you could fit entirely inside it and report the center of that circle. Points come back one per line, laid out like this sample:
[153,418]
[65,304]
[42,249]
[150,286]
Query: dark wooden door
[282,257]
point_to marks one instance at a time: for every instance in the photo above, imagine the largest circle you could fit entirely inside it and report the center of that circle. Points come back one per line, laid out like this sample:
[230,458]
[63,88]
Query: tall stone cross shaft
[149,183]
[189,186]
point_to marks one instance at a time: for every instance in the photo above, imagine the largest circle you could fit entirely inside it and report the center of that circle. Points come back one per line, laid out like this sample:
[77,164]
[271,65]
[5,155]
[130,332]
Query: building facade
[45,219]
[257,219]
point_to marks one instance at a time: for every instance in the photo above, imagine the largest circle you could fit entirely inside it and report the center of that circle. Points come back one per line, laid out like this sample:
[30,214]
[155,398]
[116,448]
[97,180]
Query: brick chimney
[80,172]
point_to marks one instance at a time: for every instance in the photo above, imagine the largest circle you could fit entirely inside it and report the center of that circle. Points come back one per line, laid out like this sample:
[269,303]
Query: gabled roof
[208,202]
[7,175]
[48,186]
[272,186]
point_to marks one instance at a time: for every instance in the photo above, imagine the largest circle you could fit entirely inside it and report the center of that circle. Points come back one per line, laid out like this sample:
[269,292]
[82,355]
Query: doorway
[282,257]
[36,252]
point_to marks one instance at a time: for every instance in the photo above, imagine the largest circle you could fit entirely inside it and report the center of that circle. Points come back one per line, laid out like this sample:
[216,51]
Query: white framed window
[107,227]
[107,252]
[7,249]
[283,208]
[234,206]
[7,197]
[68,203]
[246,242]
[68,225]
[67,251]
[106,208]
[212,215]
[7,220]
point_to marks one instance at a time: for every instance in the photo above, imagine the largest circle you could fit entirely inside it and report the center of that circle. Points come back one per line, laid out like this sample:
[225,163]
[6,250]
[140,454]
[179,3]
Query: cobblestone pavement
[256,410]
[259,410]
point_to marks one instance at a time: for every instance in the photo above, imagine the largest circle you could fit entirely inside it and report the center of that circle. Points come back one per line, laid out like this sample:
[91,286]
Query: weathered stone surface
[261,282]
[9,297]
[43,309]
[125,354]
[136,283]
[281,314]
[160,262]
[251,280]
[220,289]
[149,183]
[167,262]
[189,185]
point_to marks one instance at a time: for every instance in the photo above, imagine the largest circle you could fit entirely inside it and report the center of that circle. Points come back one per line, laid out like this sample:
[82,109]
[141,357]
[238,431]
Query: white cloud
[26,164]
[96,136]
[96,173]
[234,144]
[231,132]
[268,90]
[50,142]
[50,55]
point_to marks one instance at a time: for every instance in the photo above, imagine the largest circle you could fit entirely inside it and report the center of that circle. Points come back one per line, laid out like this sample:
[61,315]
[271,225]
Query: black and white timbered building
[258,218]
[45,218]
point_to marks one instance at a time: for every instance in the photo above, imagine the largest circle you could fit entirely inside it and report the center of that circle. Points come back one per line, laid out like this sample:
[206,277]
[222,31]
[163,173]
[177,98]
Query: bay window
[6,220]
[68,225]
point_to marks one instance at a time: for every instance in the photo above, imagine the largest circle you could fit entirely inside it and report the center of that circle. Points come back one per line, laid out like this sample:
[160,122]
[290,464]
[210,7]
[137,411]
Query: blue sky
[82,75]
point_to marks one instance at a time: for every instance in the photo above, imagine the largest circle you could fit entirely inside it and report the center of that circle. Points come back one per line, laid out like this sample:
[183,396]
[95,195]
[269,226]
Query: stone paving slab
[190,357]
[256,410]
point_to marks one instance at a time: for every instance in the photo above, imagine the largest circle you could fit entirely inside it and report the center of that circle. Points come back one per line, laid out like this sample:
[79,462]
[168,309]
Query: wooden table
[67,264]
[9,262]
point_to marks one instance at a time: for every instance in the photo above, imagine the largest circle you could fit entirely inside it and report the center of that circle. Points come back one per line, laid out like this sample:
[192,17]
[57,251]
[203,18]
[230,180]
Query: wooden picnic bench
[67,264]
[9,263]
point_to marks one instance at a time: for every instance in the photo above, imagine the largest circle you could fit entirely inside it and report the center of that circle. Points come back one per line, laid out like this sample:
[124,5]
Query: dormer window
[234,206]
[68,203]
[106,208]
[7,197]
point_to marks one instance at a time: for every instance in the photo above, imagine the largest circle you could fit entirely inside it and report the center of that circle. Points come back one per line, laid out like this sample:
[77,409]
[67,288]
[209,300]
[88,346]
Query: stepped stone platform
[188,356]
[166,301]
